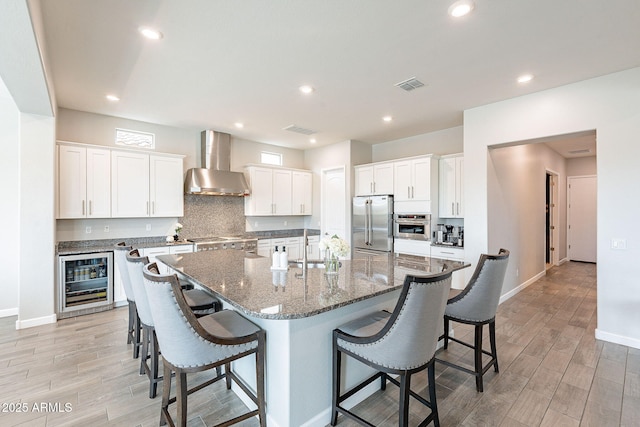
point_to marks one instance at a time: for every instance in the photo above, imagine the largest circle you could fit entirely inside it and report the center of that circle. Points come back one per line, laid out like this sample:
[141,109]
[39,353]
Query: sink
[312,263]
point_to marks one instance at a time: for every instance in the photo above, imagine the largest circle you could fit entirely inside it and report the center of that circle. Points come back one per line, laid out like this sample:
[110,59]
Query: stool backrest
[410,337]
[479,300]
[120,252]
[135,264]
[184,342]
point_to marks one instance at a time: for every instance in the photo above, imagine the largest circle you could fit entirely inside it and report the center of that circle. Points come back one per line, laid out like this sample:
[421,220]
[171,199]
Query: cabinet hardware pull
[457,208]
[147,208]
[408,192]
[83,207]
[153,208]
[452,209]
[90,208]
[412,193]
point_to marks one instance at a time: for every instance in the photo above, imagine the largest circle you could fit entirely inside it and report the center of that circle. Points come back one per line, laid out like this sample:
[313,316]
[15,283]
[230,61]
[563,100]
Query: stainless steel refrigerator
[373,223]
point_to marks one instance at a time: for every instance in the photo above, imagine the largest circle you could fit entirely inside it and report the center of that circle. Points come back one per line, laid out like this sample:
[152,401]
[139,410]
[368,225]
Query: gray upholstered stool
[400,343]
[191,344]
[476,305]
[133,329]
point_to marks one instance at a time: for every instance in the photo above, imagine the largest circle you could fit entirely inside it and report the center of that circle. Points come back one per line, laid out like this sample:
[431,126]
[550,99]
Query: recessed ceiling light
[461,8]
[312,140]
[525,78]
[239,125]
[306,89]
[150,33]
[112,98]
[387,119]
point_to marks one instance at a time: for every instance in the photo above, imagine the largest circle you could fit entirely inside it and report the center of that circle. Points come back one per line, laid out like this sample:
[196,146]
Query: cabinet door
[447,185]
[182,249]
[421,182]
[402,181]
[98,183]
[281,192]
[383,178]
[364,180]
[313,250]
[293,247]
[264,247]
[460,187]
[301,189]
[72,181]
[260,201]
[152,253]
[165,186]
[129,184]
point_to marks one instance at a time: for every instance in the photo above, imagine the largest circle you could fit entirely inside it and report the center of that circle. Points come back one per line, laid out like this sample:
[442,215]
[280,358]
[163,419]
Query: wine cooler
[85,283]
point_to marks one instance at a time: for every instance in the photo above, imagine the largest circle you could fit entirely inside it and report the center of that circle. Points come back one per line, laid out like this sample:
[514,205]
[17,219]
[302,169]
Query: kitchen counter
[299,314]
[247,283]
[88,246]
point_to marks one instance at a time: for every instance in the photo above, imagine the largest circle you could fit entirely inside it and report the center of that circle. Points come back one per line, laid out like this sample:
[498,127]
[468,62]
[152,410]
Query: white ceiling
[223,61]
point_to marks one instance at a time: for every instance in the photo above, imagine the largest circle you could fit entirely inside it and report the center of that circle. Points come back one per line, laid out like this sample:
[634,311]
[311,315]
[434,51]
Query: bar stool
[401,343]
[476,305]
[191,344]
[133,330]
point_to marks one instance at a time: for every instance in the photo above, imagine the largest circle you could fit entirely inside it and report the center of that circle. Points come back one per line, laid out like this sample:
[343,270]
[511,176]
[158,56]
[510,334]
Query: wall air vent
[298,129]
[580,151]
[410,84]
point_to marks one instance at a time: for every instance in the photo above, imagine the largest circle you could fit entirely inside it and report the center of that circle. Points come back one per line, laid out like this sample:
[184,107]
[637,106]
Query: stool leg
[181,398]
[145,349]
[432,393]
[260,356]
[136,333]
[335,387]
[154,351]
[478,357]
[492,339]
[403,413]
[446,333]
[166,390]
[130,325]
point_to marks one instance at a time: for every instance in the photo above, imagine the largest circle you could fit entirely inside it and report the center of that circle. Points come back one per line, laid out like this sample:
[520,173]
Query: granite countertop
[247,283]
[88,246]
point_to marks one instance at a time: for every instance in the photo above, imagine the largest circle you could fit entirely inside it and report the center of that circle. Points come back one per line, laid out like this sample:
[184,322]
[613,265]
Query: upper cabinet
[95,182]
[146,185]
[83,181]
[451,186]
[376,178]
[278,191]
[412,179]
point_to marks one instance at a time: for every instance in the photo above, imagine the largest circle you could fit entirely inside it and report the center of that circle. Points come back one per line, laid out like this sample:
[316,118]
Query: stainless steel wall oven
[412,226]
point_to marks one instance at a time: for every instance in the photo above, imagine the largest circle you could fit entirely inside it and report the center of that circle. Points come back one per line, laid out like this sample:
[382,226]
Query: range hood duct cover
[215,178]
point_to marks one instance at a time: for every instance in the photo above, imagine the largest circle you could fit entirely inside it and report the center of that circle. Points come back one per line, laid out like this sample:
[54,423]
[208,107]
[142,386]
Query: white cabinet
[412,179]
[313,249]
[264,247]
[145,185]
[451,187]
[376,178]
[84,188]
[278,191]
[152,253]
[458,280]
[301,193]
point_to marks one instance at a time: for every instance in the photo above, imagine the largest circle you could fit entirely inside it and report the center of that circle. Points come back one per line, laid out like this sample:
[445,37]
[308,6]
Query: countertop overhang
[246,282]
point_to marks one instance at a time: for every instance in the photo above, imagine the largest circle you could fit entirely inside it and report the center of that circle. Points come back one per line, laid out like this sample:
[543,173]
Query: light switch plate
[619,244]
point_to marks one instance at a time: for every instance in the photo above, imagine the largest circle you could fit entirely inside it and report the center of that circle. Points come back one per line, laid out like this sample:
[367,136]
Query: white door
[581,236]
[334,205]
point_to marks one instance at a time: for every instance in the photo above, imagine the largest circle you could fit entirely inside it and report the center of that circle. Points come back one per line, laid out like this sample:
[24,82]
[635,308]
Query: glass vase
[331,263]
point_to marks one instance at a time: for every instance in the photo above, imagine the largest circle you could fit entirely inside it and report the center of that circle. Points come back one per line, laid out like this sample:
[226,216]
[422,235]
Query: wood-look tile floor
[553,372]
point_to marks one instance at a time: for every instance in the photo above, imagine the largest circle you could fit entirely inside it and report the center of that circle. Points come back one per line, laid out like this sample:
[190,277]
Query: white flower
[177,227]
[335,245]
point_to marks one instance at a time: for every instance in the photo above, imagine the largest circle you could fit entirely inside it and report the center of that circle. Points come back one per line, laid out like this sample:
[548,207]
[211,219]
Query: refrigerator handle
[370,227]
[366,222]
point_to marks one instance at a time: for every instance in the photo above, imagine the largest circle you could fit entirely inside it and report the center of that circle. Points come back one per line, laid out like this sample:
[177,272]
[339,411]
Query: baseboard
[522,287]
[7,312]
[617,339]
[563,260]
[30,323]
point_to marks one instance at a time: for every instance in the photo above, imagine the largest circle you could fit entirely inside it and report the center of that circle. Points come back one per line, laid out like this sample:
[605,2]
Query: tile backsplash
[212,216]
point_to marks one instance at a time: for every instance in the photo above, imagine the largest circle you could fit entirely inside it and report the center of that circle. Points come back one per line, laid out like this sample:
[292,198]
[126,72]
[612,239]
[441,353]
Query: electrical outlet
[148,227]
[87,230]
[619,244]
[285,223]
[255,224]
[517,272]
[106,228]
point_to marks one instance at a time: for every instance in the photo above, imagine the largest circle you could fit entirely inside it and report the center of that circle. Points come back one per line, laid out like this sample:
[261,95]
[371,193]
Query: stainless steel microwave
[412,226]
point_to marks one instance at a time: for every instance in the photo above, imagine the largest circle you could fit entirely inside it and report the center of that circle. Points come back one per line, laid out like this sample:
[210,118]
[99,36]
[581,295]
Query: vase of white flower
[334,247]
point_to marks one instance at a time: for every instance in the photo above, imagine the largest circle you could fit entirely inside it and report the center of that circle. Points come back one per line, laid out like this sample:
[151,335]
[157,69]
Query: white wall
[516,218]
[10,200]
[581,166]
[447,141]
[610,105]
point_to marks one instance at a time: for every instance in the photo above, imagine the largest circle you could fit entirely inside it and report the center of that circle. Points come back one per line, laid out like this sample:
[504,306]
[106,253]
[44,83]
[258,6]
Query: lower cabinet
[458,279]
[293,246]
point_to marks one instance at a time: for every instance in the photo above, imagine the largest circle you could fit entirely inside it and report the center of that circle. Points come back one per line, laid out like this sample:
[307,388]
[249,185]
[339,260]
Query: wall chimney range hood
[215,178]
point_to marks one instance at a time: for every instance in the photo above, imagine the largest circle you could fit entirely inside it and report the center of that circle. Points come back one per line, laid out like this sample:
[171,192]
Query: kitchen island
[299,311]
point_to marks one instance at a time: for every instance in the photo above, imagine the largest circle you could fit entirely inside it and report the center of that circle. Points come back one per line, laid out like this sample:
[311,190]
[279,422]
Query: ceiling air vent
[410,84]
[580,151]
[298,129]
